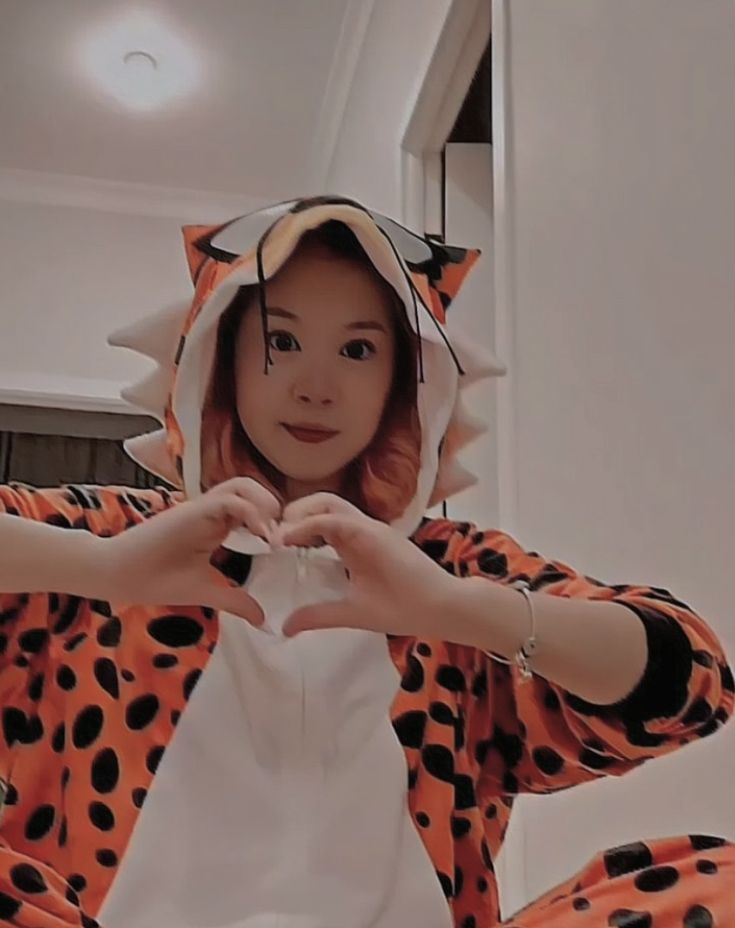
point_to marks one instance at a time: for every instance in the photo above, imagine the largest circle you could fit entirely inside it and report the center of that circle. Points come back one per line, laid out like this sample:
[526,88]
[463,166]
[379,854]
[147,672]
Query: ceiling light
[140,62]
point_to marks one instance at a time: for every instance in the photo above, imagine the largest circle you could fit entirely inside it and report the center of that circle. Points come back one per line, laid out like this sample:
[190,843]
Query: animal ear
[453,265]
[195,256]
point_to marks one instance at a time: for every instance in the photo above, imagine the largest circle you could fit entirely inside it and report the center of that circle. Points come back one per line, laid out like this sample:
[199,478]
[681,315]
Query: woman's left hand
[394,587]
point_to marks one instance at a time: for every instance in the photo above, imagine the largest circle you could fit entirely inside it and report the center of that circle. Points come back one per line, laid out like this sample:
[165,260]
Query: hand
[166,560]
[394,587]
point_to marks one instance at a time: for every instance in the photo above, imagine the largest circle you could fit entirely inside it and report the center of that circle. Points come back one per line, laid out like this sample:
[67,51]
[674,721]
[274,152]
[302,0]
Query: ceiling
[263,117]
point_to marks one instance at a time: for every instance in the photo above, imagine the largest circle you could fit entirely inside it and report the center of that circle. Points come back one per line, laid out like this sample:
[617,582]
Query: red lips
[310,434]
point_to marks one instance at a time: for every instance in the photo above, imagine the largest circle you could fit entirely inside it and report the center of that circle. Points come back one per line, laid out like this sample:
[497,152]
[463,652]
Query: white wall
[623,225]
[71,276]
[399,42]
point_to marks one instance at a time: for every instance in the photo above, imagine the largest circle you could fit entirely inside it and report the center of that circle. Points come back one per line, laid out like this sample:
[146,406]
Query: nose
[315,390]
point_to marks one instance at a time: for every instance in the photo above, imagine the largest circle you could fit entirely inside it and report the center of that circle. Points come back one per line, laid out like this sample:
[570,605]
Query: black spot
[127,675]
[139,795]
[77,882]
[33,640]
[707,866]
[458,881]
[446,884]
[479,684]
[625,918]
[700,711]
[101,816]
[164,661]
[175,716]
[440,712]
[413,776]
[486,858]
[72,897]
[657,879]
[464,793]
[423,819]
[469,922]
[190,682]
[27,879]
[59,738]
[73,643]
[63,832]
[11,796]
[65,775]
[492,562]
[21,661]
[439,762]
[460,826]
[142,711]
[410,728]
[581,904]
[435,548]
[413,678]
[175,631]
[9,907]
[491,811]
[105,771]
[451,678]
[698,917]
[40,823]
[66,678]
[726,678]
[87,727]
[35,688]
[482,884]
[154,758]
[34,730]
[423,649]
[510,747]
[704,659]
[595,761]
[706,842]
[68,616]
[627,859]
[14,725]
[109,633]
[105,674]
[106,857]
[548,761]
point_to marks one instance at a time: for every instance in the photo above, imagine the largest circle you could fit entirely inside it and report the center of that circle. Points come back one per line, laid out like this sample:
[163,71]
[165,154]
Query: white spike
[464,427]
[150,394]
[451,478]
[151,452]
[477,363]
[156,336]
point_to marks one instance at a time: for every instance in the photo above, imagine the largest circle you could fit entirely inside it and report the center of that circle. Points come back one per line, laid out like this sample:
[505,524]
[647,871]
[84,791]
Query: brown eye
[359,350]
[282,341]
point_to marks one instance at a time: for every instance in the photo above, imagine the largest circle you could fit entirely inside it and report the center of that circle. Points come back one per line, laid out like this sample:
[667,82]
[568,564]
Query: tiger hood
[426,275]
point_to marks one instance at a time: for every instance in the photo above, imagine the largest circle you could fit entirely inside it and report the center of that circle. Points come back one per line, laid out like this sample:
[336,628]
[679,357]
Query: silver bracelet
[529,647]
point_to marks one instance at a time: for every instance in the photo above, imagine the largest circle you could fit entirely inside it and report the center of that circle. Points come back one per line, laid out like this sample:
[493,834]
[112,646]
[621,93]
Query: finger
[321,616]
[236,601]
[227,512]
[249,489]
[318,504]
[337,530]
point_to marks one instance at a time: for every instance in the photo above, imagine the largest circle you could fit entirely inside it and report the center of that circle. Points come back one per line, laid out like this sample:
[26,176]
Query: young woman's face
[332,343]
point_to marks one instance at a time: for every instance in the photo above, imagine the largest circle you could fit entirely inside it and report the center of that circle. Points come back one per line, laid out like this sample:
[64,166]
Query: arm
[41,555]
[543,735]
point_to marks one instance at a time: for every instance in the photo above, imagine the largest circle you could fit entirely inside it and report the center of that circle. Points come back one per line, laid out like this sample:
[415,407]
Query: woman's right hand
[166,559]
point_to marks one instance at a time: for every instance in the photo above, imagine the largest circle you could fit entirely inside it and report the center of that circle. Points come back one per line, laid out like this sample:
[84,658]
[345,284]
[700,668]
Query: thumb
[237,602]
[321,615]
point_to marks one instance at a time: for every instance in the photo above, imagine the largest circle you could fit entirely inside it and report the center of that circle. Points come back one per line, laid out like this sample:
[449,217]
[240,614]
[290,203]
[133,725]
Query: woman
[312,412]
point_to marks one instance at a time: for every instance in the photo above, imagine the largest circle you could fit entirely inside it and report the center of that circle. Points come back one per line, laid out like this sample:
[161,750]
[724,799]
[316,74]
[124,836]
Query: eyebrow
[372,324]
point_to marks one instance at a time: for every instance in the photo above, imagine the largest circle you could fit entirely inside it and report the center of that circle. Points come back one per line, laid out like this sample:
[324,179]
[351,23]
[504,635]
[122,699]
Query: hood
[181,340]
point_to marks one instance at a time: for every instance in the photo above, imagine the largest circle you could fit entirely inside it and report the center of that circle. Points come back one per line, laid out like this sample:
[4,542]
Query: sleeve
[534,736]
[34,895]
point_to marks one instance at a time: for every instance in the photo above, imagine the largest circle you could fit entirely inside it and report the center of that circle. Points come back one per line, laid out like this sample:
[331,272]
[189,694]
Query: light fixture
[140,61]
